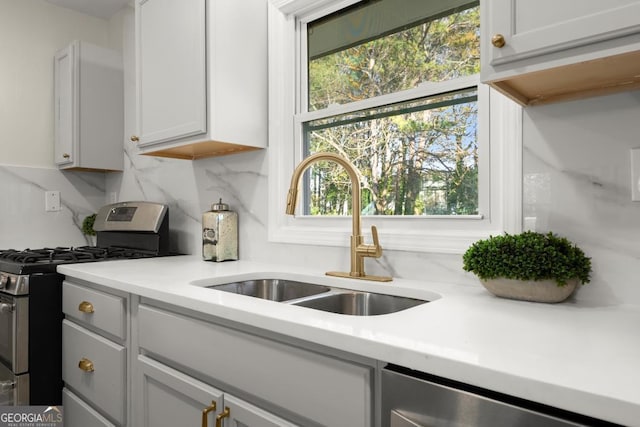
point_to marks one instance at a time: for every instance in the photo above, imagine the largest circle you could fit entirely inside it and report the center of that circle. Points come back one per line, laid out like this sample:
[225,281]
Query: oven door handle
[7,308]
[7,385]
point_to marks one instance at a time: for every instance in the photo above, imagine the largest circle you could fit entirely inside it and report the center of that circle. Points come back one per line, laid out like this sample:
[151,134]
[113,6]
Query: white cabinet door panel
[171,74]
[66,98]
[533,28]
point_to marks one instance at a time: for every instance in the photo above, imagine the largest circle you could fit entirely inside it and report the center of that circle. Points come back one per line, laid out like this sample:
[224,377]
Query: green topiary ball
[527,256]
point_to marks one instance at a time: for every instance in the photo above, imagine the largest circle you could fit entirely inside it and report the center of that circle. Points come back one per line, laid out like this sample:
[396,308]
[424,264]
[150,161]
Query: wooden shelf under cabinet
[200,150]
[586,79]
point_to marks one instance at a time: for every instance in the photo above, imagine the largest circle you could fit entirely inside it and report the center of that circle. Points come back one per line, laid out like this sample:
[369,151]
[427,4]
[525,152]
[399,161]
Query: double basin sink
[320,297]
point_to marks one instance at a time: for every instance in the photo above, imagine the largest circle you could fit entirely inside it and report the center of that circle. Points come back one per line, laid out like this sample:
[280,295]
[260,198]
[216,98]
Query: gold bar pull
[222,415]
[206,411]
[86,365]
[86,307]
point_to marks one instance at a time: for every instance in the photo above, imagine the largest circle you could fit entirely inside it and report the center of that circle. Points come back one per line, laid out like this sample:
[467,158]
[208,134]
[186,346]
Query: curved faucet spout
[359,250]
[292,197]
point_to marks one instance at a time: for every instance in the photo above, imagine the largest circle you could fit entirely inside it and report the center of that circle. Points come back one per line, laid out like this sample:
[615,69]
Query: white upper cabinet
[172,82]
[88,108]
[553,50]
[201,78]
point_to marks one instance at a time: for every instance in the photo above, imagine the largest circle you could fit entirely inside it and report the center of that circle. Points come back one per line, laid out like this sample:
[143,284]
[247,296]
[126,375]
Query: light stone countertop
[580,358]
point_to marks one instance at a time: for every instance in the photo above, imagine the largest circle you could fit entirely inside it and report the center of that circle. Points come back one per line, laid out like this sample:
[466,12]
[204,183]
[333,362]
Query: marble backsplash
[576,183]
[24,223]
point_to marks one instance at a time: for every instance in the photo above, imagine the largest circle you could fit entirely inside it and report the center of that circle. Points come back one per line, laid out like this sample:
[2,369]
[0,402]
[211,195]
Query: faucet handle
[372,251]
[376,242]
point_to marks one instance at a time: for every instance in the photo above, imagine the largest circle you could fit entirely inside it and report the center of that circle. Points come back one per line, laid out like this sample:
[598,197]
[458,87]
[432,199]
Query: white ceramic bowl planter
[530,290]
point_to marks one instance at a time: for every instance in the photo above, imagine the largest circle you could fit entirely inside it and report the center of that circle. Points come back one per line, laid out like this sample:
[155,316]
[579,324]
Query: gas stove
[31,297]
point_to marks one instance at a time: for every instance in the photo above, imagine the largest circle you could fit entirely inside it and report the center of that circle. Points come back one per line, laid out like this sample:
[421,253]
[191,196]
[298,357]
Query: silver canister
[220,233]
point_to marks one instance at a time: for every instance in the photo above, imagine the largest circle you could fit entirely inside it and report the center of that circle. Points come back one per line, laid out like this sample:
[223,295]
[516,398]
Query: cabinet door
[78,413]
[242,414]
[170,398]
[171,73]
[533,28]
[66,98]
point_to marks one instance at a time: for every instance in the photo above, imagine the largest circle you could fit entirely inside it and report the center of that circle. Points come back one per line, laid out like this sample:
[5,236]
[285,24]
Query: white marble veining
[24,222]
[574,356]
[577,183]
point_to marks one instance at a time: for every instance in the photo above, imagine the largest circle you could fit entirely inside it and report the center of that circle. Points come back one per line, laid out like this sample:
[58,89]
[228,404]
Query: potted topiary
[529,266]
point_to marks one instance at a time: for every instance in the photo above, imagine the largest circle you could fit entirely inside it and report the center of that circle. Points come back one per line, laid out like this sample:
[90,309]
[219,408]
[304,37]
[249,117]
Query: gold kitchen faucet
[359,250]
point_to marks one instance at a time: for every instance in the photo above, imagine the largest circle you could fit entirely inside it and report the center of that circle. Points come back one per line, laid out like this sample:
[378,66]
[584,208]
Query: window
[416,151]
[393,85]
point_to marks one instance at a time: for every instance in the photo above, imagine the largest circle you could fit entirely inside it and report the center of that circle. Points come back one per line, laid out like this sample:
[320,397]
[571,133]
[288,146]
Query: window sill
[304,231]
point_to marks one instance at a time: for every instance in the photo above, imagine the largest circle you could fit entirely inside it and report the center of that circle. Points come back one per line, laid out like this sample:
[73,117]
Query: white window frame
[499,119]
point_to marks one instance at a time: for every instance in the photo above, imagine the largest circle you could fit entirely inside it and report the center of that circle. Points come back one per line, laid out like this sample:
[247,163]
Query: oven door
[14,333]
[14,389]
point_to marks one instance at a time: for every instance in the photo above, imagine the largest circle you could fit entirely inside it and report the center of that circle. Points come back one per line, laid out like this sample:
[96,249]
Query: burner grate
[72,254]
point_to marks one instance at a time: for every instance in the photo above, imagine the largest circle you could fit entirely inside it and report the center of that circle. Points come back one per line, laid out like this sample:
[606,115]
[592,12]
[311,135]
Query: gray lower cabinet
[300,385]
[172,398]
[129,361]
[94,356]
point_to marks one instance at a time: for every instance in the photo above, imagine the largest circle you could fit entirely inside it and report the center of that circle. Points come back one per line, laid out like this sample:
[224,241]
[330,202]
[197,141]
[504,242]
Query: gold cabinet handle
[66,155]
[206,411]
[86,307]
[86,365]
[134,138]
[498,40]
[222,415]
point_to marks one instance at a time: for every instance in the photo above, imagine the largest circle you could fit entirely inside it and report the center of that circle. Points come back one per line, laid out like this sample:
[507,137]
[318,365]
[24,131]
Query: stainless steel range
[31,297]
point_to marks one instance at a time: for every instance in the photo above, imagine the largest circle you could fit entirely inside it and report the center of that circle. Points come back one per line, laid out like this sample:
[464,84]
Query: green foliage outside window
[415,158]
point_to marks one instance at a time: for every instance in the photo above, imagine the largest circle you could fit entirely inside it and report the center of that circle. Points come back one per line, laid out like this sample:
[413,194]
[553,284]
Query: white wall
[31,31]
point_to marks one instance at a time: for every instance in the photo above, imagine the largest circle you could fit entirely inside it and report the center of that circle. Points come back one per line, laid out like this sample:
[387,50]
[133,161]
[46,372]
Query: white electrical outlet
[52,201]
[635,174]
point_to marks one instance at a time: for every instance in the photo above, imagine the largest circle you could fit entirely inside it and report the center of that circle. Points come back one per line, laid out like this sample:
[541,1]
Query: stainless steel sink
[360,303]
[272,289]
[320,297]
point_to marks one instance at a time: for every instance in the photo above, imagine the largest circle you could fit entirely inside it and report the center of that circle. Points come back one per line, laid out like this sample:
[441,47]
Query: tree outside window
[417,155]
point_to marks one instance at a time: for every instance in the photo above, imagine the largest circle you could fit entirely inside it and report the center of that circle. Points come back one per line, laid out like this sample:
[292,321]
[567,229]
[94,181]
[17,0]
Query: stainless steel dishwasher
[416,399]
